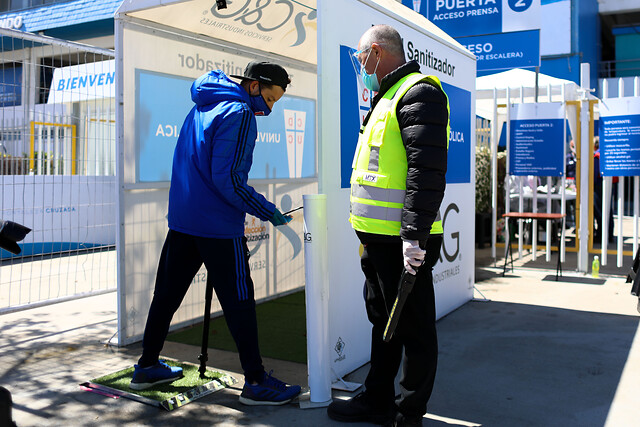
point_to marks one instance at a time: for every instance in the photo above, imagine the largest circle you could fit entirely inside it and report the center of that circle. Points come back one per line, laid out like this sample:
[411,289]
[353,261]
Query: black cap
[265,72]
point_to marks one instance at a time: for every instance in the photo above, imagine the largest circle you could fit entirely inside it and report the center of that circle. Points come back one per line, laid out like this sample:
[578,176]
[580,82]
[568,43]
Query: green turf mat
[168,395]
[282,330]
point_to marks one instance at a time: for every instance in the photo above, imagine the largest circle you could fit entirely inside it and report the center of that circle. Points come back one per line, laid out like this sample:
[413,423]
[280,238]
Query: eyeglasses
[358,52]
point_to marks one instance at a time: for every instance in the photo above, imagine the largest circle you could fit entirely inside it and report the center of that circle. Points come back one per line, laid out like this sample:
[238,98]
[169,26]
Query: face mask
[370,80]
[259,105]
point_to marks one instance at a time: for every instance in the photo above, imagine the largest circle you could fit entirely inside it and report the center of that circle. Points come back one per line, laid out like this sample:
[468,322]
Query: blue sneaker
[159,373]
[271,391]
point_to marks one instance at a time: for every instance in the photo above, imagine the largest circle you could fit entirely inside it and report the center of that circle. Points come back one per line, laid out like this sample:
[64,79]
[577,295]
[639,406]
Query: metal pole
[636,183]
[536,91]
[620,198]
[583,232]
[494,173]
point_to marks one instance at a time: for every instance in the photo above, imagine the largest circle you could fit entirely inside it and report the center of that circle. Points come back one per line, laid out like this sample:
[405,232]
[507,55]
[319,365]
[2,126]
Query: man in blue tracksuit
[208,201]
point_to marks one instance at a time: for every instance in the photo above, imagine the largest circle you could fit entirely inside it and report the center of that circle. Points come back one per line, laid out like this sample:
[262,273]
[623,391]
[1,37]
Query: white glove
[413,255]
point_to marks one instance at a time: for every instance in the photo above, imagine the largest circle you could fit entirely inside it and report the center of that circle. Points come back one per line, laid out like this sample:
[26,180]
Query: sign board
[503,34]
[94,80]
[619,132]
[536,145]
[158,122]
[284,27]
[518,49]
[285,145]
[460,18]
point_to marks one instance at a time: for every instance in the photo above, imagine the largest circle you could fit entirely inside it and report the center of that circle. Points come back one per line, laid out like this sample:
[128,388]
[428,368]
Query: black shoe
[402,421]
[359,408]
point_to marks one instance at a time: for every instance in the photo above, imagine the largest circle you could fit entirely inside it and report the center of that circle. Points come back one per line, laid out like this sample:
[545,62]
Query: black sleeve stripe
[242,135]
[240,150]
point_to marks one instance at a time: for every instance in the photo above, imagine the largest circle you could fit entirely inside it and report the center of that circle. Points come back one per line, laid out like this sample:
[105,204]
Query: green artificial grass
[120,380]
[282,330]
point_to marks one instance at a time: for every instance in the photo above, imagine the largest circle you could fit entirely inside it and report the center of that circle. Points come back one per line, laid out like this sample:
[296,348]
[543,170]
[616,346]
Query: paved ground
[536,353]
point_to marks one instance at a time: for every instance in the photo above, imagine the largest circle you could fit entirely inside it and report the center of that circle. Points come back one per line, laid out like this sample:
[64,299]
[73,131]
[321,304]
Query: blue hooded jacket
[209,194]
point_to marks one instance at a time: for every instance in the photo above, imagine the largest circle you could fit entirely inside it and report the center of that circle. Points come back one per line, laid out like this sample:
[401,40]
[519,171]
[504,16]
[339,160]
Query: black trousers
[416,331]
[227,262]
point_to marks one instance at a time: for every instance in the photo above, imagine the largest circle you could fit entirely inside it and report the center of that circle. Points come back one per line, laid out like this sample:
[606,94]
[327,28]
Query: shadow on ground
[514,364]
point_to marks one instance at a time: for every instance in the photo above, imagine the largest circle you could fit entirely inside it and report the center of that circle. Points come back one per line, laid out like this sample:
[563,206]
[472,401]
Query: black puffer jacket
[422,116]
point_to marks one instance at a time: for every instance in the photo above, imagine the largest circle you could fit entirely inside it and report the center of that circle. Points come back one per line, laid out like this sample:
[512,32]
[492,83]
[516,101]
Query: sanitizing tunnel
[305,146]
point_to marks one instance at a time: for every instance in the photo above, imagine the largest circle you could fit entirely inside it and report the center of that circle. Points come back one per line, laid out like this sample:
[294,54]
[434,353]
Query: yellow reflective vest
[379,177]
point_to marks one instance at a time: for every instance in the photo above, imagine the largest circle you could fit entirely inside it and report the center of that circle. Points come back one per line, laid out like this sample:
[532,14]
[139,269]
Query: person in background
[208,201]
[397,186]
[570,166]
[571,160]
[597,197]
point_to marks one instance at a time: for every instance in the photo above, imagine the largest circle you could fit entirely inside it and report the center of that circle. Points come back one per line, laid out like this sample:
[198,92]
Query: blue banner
[355,102]
[461,18]
[620,145]
[163,102]
[536,147]
[459,155]
[285,145]
[518,49]
[349,121]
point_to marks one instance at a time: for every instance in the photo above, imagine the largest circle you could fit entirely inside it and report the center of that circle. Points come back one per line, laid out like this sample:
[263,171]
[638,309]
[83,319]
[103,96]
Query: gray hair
[385,35]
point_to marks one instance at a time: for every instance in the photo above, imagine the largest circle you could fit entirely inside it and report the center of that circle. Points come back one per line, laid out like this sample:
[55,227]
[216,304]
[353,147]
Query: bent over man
[208,201]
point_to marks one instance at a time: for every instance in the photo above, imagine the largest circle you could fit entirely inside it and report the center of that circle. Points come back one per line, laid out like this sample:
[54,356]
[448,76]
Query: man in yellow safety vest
[397,186]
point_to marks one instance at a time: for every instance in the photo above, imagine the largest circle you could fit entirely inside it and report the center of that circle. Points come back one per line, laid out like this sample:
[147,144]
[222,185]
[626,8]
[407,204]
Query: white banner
[95,80]
[285,27]
[64,212]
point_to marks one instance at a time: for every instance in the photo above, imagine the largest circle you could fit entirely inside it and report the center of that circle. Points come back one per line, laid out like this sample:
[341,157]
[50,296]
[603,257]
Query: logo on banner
[450,249]
[255,232]
[292,235]
[294,126]
[339,348]
[520,5]
[266,17]
[416,5]
[449,254]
